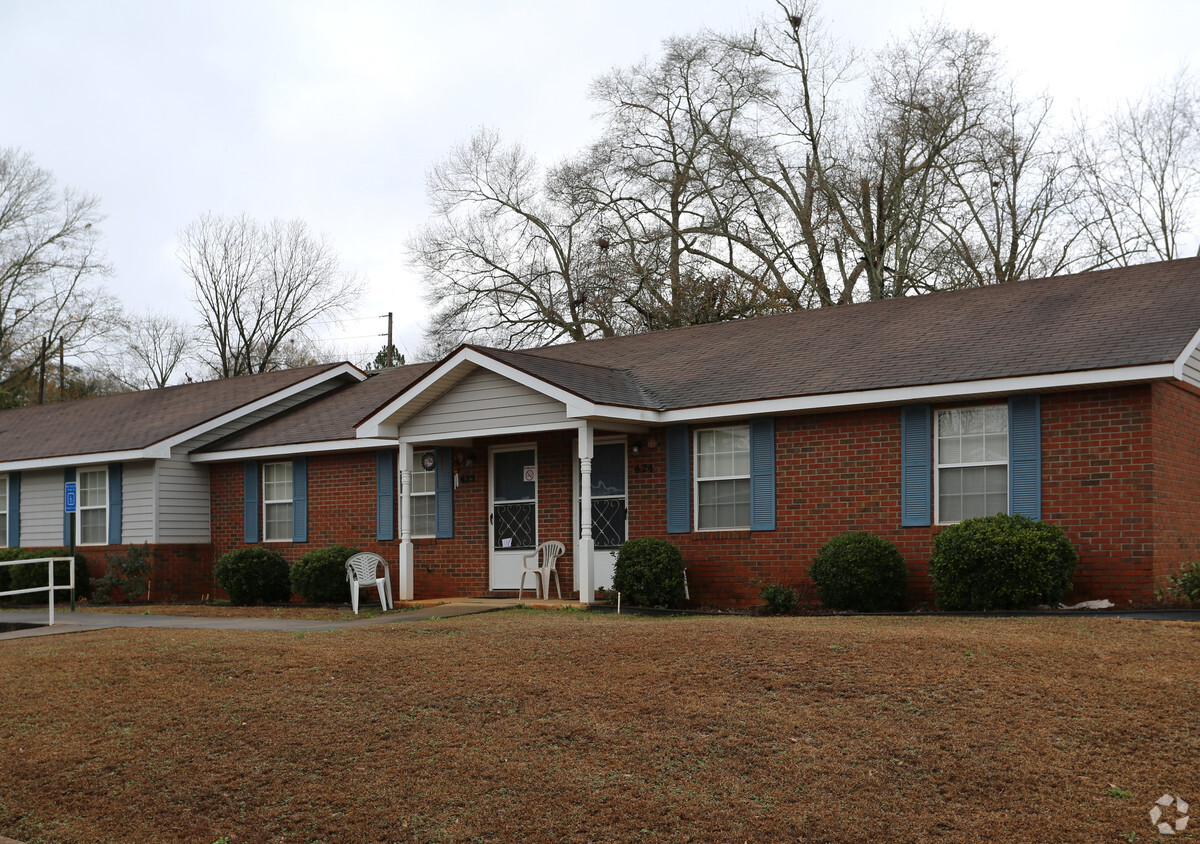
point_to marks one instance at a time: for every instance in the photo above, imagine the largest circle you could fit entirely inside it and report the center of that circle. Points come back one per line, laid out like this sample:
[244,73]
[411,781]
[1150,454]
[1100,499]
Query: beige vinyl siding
[183,504]
[1191,369]
[485,401]
[42,508]
[137,502]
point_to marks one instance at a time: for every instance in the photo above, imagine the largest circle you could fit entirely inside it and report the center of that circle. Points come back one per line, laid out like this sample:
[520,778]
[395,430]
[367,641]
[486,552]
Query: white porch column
[405,585]
[585,572]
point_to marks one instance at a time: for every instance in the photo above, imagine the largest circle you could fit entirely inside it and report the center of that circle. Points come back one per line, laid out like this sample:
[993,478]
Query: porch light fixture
[638,445]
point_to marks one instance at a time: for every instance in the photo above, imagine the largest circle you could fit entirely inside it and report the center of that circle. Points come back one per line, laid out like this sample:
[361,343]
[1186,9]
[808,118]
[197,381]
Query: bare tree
[1007,214]
[862,184]
[260,289]
[671,213]
[1141,176]
[50,262]
[510,257]
[149,349]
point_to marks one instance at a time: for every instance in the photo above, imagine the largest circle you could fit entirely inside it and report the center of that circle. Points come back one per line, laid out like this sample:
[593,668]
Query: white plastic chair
[544,558]
[362,570]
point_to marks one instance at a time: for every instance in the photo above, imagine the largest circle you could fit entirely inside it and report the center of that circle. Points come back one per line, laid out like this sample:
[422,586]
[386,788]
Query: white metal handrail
[50,587]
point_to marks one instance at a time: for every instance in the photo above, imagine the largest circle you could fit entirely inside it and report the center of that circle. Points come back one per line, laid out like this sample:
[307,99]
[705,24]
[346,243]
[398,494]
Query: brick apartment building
[749,444]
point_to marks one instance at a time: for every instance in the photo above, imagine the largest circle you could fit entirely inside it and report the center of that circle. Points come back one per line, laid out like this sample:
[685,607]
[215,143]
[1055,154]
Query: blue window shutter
[679,480]
[1025,456]
[916,466]
[14,510]
[443,502]
[114,504]
[385,495]
[250,502]
[300,499]
[762,474]
[68,478]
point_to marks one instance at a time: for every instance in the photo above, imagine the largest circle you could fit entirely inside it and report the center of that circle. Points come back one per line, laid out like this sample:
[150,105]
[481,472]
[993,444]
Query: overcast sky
[333,112]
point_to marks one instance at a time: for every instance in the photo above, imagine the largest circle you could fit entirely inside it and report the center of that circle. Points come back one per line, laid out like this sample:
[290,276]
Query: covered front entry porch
[499,452]
[508,494]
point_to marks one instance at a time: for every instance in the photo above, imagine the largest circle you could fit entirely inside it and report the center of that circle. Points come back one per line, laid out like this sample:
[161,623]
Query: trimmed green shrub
[780,599]
[320,575]
[1001,563]
[28,577]
[7,554]
[1186,584]
[128,577]
[861,572]
[649,573]
[254,574]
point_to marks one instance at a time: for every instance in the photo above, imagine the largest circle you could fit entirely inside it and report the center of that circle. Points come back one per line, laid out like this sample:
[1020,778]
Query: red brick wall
[1097,481]
[179,572]
[1176,478]
[459,566]
[837,472]
[341,509]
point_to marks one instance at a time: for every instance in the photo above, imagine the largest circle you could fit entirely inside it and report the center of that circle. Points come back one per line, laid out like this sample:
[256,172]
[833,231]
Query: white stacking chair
[544,559]
[362,570]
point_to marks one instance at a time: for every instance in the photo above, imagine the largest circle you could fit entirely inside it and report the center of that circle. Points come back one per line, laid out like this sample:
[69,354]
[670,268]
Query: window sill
[722,533]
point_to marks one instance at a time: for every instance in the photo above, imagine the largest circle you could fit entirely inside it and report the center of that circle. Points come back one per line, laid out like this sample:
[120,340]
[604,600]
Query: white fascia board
[428,439]
[601,412]
[923,393]
[61,461]
[289,449]
[266,401]
[1187,353]
[380,424]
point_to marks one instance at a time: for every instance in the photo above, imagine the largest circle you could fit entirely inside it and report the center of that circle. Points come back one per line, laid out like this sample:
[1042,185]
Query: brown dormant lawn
[569,726]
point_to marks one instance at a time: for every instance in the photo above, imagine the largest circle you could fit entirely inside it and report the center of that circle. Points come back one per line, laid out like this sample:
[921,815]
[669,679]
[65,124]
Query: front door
[513,517]
[609,508]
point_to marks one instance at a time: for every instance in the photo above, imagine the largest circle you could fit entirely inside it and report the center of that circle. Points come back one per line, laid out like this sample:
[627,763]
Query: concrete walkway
[83,620]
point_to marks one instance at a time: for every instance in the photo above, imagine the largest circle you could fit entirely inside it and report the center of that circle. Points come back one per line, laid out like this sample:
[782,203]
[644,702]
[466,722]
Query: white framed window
[723,478]
[3,511]
[92,504]
[277,502]
[424,500]
[971,457]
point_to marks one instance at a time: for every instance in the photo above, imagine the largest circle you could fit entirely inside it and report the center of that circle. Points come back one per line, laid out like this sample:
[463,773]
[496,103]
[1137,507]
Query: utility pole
[62,383]
[390,362]
[42,373]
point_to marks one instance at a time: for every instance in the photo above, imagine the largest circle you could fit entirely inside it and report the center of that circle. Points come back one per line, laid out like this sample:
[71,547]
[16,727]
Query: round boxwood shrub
[861,572]
[779,599]
[320,575]
[28,577]
[254,574]
[649,573]
[1001,563]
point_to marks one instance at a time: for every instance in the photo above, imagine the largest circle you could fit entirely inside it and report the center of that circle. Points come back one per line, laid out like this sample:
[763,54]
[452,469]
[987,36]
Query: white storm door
[512,517]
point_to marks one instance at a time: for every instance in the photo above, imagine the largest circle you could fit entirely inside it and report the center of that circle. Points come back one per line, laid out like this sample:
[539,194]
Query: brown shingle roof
[328,417]
[133,420]
[1099,320]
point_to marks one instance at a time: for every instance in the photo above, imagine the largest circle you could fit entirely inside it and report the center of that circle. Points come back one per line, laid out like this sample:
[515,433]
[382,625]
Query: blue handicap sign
[69,500]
